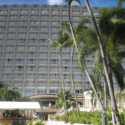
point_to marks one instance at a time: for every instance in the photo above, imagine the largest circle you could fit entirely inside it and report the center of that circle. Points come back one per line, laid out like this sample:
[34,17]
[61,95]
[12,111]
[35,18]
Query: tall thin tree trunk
[62,84]
[87,73]
[71,72]
[113,104]
[105,92]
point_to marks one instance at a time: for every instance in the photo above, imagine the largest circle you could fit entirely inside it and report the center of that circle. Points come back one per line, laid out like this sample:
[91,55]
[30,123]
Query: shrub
[39,122]
[28,122]
[56,117]
[63,118]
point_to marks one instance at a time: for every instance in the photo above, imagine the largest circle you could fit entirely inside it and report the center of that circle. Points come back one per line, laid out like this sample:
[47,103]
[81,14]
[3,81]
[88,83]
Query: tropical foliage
[59,102]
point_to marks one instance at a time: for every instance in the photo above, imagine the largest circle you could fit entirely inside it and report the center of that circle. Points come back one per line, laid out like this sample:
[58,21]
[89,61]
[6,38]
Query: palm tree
[73,36]
[60,99]
[1,85]
[9,95]
[61,42]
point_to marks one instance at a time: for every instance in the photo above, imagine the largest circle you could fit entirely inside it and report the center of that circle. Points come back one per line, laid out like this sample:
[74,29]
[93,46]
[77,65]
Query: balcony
[30,85]
[41,85]
[31,62]
[67,85]
[65,12]
[42,77]
[65,56]
[31,69]
[23,23]
[34,17]
[7,69]
[43,62]
[65,63]
[44,23]
[55,29]
[33,35]
[19,62]
[35,29]
[12,23]
[3,23]
[79,85]
[14,17]
[10,48]
[32,48]
[3,17]
[77,12]
[18,77]
[20,55]
[54,35]
[45,11]
[30,77]
[43,55]
[76,18]
[22,35]
[24,17]
[4,12]
[7,77]
[12,29]
[32,55]
[66,49]
[24,12]
[55,23]
[42,70]
[22,29]
[54,55]
[11,35]
[53,77]
[54,63]
[54,85]
[55,12]
[43,48]
[34,23]
[14,12]
[55,17]
[34,12]
[44,29]
[44,35]
[65,70]
[78,78]
[9,55]
[54,70]
[79,94]
[8,62]
[19,69]
[66,77]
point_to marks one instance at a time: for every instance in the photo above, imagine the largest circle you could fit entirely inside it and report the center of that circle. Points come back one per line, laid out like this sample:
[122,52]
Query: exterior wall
[28,36]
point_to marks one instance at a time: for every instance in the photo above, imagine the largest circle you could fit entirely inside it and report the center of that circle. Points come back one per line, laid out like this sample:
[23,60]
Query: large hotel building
[27,60]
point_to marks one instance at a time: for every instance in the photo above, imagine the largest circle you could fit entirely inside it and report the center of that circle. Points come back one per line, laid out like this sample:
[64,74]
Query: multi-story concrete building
[27,60]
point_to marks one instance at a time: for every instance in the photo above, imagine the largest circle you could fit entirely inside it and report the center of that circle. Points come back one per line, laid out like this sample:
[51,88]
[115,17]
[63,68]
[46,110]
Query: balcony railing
[44,35]
[54,62]
[78,85]
[76,12]
[7,77]
[24,12]
[35,12]
[42,77]
[43,55]
[66,77]
[8,62]
[41,85]
[19,62]
[7,69]
[11,35]
[30,85]
[31,62]
[65,56]
[18,77]
[78,78]
[14,12]
[31,69]
[30,77]
[12,29]
[54,70]
[41,70]
[36,23]
[53,77]
[4,12]
[23,23]
[9,55]
[36,29]
[65,70]
[20,55]
[43,62]
[67,85]
[22,35]
[54,55]
[33,35]
[19,69]
[32,55]
[45,12]
[79,94]
[32,48]
[54,85]
[9,48]
[22,29]
[67,63]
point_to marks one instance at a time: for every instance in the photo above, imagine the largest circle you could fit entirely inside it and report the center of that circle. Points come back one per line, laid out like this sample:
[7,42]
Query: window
[31,68]
[12,22]
[20,54]
[33,28]
[54,68]
[3,16]
[19,76]
[7,76]
[4,11]
[55,17]
[35,11]
[33,34]
[9,54]
[24,11]
[30,76]
[65,61]
[87,84]
[12,28]
[21,47]
[85,12]
[43,61]
[95,13]
[41,83]
[54,54]
[65,12]
[54,76]
[54,83]
[89,62]
[76,17]
[54,61]
[66,76]
[55,22]
[2,28]
[44,34]
[42,69]
[42,41]
[12,34]
[44,11]
[23,22]
[30,84]
[7,82]
[33,40]
[44,28]
[75,69]
[8,61]
[19,90]
[22,34]
[19,68]
[29,92]
[32,54]
[55,28]
[36,22]
[78,76]
[78,84]
[76,12]
[14,11]
[23,28]
[65,55]
[19,61]
[39,91]
[8,68]
[34,16]
[54,91]
[21,40]
[14,17]
[8,47]
[24,16]
[85,77]
[45,17]
[42,75]
[31,61]
[55,11]
[2,34]
[65,69]
[44,22]
[65,17]
[54,35]
[1,40]
[32,47]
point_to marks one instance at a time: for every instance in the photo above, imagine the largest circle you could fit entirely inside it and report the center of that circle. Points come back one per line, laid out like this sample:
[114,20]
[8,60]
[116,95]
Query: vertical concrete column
[31,113]
[1,114]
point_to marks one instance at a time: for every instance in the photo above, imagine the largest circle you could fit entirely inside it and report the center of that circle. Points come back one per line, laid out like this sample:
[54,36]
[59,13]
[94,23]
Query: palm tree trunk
[71,71]
[105,95]
[62,84]
[87,73]
[114,106]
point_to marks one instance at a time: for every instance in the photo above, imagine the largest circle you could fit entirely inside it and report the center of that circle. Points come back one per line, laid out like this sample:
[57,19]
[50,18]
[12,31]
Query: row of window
[42,68]
[45,11]
[42,76]
[36,22]
[44,61]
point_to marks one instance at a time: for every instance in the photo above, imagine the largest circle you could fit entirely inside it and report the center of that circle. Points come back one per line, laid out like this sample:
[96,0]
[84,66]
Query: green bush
[28,122]
[56,117]
[3,124]
[39,122]
[63,118]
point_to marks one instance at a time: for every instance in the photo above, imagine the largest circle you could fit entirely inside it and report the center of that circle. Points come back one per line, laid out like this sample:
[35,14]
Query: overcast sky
[100,3]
